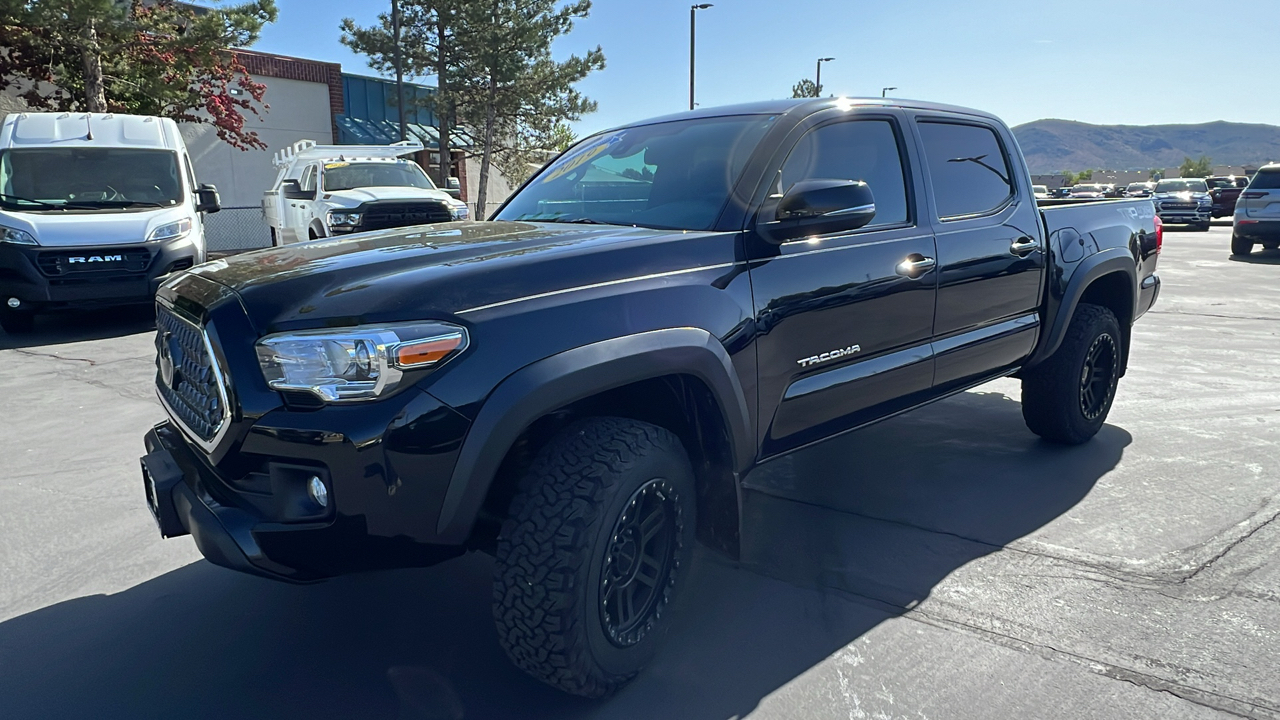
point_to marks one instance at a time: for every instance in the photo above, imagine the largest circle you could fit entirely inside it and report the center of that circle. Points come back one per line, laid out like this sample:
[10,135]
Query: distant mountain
[1054,145]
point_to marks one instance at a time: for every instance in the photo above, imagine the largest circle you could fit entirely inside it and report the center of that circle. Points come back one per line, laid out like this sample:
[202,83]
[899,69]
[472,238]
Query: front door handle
[915,265]
[1024,246]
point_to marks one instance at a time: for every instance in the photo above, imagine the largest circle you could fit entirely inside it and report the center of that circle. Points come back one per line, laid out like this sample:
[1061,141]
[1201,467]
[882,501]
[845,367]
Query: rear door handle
[915,265]
[1024,246]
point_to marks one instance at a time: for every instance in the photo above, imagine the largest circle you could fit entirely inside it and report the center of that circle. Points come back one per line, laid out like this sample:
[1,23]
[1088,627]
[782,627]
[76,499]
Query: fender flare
[1106,262]
[552,383]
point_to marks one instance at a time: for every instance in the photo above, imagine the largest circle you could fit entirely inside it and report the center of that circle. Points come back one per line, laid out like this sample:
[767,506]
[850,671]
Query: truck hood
[358,196]
[91,229]
[1182,196]
[437,271]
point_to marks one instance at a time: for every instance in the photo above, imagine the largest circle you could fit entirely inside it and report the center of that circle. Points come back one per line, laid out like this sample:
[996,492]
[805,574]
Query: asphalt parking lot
[944,564]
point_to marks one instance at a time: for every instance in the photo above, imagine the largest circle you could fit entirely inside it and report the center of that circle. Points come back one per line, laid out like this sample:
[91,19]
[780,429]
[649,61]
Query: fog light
[319,493]
[14,302]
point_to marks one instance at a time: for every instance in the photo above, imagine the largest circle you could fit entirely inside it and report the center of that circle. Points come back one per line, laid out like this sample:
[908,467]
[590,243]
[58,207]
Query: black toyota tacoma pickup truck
[578,386]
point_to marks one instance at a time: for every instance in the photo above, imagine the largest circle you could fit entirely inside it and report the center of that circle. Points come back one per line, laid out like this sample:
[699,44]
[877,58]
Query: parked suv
[1139,189]
[1257,213]
[1185,201]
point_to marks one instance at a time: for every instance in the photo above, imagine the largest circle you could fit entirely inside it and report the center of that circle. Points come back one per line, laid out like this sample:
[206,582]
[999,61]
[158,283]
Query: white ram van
[95,209]
[326,190]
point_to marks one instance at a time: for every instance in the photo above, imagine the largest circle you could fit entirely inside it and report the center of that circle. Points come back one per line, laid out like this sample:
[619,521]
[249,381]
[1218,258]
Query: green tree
[527,153]
[806,88]
[1077,178]
[511,93]
[1196,168]
[429,45]
[161,58]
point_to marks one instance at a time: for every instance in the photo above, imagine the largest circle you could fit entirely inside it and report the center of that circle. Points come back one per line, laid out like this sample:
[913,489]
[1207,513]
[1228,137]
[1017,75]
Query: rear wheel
[1240,246]
[16,322]
[1271,245]
[1066,398]
[599,534]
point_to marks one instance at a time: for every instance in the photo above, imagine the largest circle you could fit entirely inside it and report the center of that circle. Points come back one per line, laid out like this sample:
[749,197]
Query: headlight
[171,231]
[17,237]
[359,363]
[343,219]
[460,210]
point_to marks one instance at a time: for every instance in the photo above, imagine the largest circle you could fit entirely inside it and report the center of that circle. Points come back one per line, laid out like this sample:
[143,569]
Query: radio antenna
[88,135]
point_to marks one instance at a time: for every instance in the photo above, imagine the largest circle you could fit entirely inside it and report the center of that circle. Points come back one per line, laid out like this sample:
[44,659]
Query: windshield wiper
[579,221]
[112,203]
[40,203]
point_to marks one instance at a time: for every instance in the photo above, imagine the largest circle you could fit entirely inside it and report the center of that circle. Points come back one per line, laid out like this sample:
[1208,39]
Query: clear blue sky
[1098,61]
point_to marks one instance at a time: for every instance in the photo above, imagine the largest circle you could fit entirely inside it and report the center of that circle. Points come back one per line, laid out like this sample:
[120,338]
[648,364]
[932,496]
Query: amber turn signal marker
[426,352]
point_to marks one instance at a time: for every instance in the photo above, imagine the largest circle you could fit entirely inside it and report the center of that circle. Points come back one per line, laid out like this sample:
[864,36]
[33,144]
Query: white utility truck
[95,209]
[326,190]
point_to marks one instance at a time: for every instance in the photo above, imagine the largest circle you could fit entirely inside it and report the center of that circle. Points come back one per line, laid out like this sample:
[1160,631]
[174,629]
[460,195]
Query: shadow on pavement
[886,513]
[1259,257]
[81,325]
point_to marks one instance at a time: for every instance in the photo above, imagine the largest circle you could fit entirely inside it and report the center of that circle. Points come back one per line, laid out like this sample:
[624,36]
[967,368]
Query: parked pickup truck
[580,386]
[326,190]
[1224,191]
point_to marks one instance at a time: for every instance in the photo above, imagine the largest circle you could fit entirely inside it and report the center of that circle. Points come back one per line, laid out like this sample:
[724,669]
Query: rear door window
[865,150]
[968,168]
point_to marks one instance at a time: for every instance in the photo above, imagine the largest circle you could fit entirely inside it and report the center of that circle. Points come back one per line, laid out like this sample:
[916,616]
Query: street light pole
[817,82]
[885,90]
[395,39]
[693,10]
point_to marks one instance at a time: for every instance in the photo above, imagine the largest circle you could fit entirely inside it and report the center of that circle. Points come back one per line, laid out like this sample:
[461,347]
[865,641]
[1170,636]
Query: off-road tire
[552,551]
[1240,246]
[17,322]
[1053,392]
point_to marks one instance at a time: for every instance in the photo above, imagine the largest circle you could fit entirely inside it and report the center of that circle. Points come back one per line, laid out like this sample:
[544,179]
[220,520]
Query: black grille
[186,376]
[1177,206]
[393,215]
[125,263]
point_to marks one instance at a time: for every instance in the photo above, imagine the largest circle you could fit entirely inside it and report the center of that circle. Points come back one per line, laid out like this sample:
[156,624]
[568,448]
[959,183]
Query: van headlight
[360,363]
[171,231]
[16,236]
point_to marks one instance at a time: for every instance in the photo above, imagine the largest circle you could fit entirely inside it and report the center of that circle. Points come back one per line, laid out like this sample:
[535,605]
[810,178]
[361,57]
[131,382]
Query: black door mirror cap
[818,207]
[207,199]
[292,190]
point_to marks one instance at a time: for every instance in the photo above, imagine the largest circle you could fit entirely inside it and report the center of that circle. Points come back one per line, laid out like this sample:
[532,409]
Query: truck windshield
[675,175]
[1174,186]
[88,178]
[348,176]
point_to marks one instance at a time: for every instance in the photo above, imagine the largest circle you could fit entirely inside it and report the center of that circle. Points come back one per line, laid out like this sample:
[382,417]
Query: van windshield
[88,178]
[348,176]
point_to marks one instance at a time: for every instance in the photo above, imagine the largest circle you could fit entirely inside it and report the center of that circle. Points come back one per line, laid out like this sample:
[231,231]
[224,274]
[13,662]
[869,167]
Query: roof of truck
[31,129]
[809,105]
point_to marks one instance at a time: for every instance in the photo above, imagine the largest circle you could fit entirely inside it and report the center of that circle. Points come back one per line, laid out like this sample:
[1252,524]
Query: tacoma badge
[832,355]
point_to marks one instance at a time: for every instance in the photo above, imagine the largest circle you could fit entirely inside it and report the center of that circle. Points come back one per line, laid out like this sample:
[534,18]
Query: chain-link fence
[236,228]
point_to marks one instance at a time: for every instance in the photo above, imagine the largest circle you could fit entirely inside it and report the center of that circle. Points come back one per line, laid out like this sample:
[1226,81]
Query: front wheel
[1203,227]
[1066,398]
[1240,246]
[1270,245]
[599,535]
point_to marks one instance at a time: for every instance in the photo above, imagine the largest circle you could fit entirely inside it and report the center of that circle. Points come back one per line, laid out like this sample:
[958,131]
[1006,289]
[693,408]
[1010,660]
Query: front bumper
[250,511]
[43,278]
[1182,216]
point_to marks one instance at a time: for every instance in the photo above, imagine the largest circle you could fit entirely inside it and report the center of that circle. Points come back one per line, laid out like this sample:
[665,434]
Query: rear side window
[1269,180]
[969,170]
[865,150]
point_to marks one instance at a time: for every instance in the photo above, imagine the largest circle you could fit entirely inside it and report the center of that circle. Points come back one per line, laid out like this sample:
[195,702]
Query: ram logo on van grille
[96,258]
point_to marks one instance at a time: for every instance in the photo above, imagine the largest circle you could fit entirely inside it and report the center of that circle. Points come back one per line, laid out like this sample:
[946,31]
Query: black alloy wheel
[639,566]
[1098,376]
